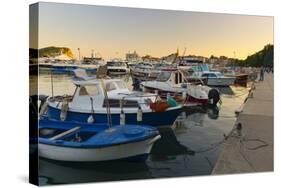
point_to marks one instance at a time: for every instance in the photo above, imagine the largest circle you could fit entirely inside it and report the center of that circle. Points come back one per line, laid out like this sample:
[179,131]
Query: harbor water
[190,147]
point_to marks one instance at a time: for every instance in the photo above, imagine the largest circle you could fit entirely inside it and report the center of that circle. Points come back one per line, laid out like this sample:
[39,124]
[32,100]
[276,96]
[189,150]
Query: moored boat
[78,142]
[117,67]
[173,83]
[202,73]
[92,97]
[217,79]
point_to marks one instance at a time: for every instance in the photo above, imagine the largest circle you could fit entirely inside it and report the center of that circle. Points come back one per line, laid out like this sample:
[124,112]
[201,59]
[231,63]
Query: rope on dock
[236,133]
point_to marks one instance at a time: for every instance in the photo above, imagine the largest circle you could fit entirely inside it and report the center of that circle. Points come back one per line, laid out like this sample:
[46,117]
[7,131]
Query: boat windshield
[164,76]
[219,74]
[121,85]
[112,85]
[89,90]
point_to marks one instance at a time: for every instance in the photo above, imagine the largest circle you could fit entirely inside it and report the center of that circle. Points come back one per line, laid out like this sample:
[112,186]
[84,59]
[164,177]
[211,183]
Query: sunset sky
[113,31]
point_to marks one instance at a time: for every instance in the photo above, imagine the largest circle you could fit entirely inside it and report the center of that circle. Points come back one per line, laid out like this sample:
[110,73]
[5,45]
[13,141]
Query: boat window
[219,74]
[176,78]
[109,63]
[90,90]
[209,75]
[110,86]
[212,75]
[205,75]
[130,104]
[83,91]
[205,67]
[163,76]
[115,103]
[116,63]
[180,77]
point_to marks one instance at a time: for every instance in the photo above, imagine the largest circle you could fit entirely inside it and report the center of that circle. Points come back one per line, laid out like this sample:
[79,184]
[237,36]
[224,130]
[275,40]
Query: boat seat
[64,133]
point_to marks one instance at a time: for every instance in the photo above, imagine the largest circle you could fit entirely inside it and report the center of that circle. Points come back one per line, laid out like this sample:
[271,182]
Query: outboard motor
[214,97]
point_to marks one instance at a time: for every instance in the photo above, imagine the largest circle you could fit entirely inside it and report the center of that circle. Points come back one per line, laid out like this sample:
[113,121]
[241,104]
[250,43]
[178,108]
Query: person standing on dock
[262,73]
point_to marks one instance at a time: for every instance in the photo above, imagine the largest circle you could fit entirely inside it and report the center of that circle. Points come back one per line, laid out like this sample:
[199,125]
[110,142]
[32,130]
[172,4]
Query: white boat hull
[97,154]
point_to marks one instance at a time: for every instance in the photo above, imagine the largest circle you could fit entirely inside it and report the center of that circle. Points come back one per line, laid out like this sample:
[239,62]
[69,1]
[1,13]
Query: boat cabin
[93,94]
[94,90]
[172,77]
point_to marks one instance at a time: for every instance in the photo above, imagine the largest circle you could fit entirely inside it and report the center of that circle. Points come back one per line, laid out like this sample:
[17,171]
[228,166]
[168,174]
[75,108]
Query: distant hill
[263,57]
[55,51]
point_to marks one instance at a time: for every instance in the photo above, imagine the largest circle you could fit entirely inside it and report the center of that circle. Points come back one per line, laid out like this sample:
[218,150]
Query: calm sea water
[189,148]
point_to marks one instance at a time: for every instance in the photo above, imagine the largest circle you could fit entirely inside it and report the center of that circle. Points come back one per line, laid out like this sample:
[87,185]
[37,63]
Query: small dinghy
[78,142]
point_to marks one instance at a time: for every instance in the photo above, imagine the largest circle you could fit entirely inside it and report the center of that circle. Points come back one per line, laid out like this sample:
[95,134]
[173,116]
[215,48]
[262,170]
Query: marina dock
[253,150]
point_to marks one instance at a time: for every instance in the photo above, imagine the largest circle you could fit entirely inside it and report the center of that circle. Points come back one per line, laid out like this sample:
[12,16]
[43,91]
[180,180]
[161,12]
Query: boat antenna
[183,54]
[109,118]
[52,84]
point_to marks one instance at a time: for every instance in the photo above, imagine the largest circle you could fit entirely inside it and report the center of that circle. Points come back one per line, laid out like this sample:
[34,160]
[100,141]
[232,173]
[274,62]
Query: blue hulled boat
[65,141]
[94,99]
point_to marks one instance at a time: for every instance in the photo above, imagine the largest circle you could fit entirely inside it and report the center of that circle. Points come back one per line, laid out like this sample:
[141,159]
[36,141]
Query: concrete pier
[253,150]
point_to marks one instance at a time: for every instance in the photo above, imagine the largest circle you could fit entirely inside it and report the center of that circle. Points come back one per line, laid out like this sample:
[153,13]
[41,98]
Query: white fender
[64,109]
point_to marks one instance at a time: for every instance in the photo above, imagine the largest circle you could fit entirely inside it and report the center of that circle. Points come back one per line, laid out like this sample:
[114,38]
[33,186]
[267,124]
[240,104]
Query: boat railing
[132,95]
[185,77]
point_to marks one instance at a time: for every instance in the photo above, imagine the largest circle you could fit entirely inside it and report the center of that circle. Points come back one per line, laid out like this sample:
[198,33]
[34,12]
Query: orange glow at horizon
[113,31]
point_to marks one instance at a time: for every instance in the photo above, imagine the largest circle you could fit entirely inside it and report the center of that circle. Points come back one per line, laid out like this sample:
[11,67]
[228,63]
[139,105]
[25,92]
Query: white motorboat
[117,67]
[173,83]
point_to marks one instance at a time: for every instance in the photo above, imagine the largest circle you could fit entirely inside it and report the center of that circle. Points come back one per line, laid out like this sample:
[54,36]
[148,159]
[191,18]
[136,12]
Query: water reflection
[56,172]
[213,113]
[168,146]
